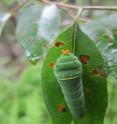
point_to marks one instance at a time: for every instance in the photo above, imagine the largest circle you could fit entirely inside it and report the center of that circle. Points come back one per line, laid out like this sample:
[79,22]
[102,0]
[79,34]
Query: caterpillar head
[67,66]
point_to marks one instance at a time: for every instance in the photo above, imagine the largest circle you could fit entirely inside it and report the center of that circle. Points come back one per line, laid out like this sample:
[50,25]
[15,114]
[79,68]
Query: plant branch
[63,5]
[17,8]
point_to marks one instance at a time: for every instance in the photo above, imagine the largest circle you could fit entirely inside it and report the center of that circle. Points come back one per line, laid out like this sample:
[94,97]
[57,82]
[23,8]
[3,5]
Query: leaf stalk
[70,6]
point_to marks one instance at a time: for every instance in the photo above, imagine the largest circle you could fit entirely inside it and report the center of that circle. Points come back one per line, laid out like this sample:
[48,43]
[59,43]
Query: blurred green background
[21,101]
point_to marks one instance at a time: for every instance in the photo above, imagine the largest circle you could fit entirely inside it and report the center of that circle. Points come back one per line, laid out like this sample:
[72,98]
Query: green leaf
[104,32]
[3,19]
[95,85]
[36,29]
[96,28]
[27,30]
[49,24]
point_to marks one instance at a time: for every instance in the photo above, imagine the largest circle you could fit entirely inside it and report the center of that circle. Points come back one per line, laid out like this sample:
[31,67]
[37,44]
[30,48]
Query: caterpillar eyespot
[68,72]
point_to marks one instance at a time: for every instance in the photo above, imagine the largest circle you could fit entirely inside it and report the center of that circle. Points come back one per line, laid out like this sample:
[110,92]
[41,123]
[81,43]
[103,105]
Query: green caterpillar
[68,71]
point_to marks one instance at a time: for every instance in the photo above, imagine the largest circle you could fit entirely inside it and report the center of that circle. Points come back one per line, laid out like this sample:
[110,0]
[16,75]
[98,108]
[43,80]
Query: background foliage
[20,96]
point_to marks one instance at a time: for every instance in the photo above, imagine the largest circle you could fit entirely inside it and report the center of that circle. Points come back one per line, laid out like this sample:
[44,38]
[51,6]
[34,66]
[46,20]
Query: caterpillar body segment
[68,71]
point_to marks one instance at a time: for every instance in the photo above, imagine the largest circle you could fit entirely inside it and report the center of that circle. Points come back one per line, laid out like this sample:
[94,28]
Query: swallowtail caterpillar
[68,72]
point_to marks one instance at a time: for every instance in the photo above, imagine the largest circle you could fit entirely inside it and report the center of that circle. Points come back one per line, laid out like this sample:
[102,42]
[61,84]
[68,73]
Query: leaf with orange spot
[85,49]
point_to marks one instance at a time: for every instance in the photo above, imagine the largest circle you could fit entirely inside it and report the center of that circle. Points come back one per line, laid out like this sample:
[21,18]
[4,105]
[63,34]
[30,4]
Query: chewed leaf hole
[51,64]
[58,44]
[84,59]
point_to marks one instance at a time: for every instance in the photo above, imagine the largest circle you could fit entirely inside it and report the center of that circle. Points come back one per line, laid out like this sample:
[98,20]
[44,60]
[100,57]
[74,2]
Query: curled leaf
[49,23]
[3,19]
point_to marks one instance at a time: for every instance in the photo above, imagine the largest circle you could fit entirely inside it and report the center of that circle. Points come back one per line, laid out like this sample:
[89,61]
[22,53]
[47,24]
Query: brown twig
[63,5]
[17,8]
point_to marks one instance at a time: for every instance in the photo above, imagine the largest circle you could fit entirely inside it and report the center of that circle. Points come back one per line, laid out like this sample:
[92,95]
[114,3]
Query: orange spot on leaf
[58,44]
[52,64]
[84,59]
[60,107]
[98,72]
[65,52]
[61,43]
